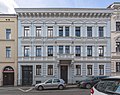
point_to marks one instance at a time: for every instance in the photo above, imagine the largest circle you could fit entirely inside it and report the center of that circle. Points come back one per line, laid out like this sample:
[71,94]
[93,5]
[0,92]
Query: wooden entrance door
[8,79]
[64,73]
[27,75]
[8,76]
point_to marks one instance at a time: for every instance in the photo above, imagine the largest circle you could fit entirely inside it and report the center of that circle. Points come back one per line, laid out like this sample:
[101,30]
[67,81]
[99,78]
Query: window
[77,50]
[89,31]
[50,50]
[50,31]
[89,69]
[38,51]
[56,81]
[8,52]
[50,69]
[77,31]
[101,69]
[26,51]
[101,31]
[101,50]
[38,69]
[117,66]
[67,49]
[38,31]
[89,50]
[60,49]
[26,31]
[49,81]
[8,34]
[117,46]
[61,31]
[117,26]
[67,31]
[78,69]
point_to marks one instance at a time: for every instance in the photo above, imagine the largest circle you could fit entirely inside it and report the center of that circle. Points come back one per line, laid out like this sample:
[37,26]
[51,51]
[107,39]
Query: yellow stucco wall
[8,22]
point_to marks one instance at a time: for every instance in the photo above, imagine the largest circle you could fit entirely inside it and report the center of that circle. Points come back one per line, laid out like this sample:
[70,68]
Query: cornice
[63,12]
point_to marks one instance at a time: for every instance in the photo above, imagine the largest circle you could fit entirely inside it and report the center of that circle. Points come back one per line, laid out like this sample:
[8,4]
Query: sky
[7,6]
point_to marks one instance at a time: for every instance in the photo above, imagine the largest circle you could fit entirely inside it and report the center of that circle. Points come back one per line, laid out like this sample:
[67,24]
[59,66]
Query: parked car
[107,86]
[90,81]
[51,84]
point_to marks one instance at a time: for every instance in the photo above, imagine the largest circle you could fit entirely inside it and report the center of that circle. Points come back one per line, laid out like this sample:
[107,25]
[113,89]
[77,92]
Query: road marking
[26,90]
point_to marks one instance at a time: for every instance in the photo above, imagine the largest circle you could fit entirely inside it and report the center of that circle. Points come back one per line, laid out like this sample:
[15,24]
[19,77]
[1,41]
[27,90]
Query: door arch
[8,76]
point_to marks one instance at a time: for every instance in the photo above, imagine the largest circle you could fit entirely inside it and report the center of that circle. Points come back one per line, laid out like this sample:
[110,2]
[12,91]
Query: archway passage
[8,76]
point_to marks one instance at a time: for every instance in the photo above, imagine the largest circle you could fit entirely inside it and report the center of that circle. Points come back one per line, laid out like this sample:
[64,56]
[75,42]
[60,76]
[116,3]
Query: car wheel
[61,87]
[88,86]
[40,88]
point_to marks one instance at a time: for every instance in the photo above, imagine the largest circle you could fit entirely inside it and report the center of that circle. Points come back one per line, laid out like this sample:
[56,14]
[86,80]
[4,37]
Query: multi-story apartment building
[65,43]
[115,39]
[8,49]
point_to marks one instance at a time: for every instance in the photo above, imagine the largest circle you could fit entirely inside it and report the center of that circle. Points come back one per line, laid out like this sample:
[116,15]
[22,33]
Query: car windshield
[114,87]
[109,86]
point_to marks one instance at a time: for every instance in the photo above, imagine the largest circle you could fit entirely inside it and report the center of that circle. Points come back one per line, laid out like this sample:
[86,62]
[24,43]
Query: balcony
[65,56]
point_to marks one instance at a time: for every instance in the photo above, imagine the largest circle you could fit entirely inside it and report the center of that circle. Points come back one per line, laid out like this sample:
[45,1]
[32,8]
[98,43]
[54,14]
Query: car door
[55,83]
[48,84]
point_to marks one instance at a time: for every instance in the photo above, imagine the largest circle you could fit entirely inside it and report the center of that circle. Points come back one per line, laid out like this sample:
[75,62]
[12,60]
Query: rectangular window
[117,66]
[38,69]
[8,52]
[50,50]
[101,31]
[26,51]
[77,31]
[117,46]
[60,49]
[89,69]
[67,49]
[89,50]
[50,31]
[78,69]
[101,69]
[101,50]
[89,31]
[50,69]
[117,26]
[67,31]
[38,31]
[8,34]
[61,31]
[38,51]
[26,31]
[78,50]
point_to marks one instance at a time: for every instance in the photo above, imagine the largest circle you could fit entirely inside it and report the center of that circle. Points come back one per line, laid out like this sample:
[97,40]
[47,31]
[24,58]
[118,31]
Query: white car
[107,86]
[51,84]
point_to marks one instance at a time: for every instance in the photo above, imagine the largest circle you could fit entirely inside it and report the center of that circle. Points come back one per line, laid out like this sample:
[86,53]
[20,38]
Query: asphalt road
[30,91]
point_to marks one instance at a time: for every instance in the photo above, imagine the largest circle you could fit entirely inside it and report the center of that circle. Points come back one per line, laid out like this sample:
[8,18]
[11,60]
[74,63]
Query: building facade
[8,49]
[115,39]
[65,43]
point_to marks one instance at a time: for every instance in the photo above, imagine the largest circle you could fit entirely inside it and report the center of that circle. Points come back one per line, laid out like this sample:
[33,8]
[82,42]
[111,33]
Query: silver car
[51,84]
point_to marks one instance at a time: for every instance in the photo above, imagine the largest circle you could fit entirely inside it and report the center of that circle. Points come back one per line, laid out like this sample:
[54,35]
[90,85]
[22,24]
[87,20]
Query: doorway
[64,73]
[8,76]
[27,75]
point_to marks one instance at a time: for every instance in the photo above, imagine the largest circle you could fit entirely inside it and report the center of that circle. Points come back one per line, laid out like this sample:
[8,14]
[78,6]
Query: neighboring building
[64,43]
[8,49]
[115,39]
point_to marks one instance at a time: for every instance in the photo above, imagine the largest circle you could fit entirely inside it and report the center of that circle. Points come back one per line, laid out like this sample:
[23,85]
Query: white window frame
[47,69]
[92,69]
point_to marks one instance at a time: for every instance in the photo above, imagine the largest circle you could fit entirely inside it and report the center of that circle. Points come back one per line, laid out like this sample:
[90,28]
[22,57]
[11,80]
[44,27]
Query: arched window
[8,69]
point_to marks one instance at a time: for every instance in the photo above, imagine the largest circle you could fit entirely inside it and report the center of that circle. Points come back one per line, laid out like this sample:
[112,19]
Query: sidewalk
[28,87]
